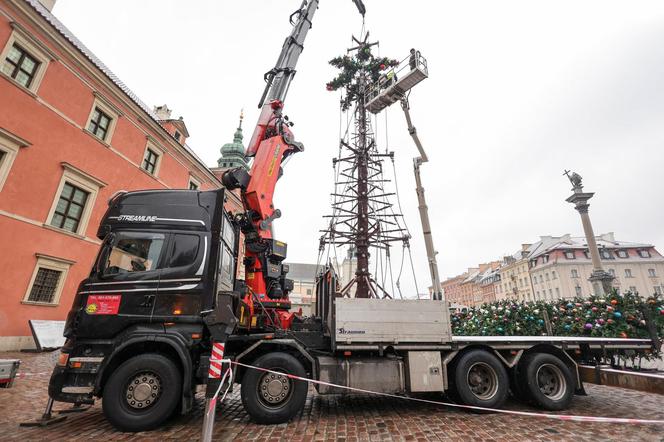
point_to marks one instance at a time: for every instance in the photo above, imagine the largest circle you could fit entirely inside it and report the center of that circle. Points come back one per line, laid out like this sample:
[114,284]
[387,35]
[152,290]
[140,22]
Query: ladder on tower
[396,82]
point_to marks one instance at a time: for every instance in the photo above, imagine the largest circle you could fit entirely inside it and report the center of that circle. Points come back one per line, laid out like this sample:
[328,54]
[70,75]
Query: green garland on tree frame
[615,316]
[362,61]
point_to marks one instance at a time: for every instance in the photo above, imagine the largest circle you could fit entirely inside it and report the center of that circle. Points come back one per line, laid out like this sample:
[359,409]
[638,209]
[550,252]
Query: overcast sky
[518,91]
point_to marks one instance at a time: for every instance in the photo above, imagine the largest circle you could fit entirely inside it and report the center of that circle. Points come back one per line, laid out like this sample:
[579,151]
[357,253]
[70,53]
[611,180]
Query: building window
[9,147]
[545,259]
[45,284]
[69,209]
[47,280]
[605,254]
[74,200]
[308,292]
[535,279]
[24,59]
[20,66]
[99,124]
[628,273]
[569,254]
[658,290]
[587,254]
[612,272]
[102,119]
[547,276]
[622,254]
[541,279]
[632,289]
[644,254]
[553,275]
[578,290]
[150,161]
[651,273]
[575,273]
[557,293]
[177,136]
[194,184]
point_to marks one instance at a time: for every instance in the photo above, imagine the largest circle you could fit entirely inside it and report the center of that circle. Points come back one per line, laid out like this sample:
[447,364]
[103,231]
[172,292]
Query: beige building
[514,277]
[304,280]
[562,268]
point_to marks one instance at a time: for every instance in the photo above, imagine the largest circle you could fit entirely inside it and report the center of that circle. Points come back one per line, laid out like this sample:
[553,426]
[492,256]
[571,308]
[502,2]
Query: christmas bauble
[382,67]
[617,315]
[623,334]
[567,327]
[499,329]
[609,321]
[570,305]
[594,309]
[588,326]
[614,301]
[661,312]
[329,87]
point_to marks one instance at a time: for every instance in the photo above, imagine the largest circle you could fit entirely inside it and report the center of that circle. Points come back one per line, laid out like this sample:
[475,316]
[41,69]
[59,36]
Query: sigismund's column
[601,280]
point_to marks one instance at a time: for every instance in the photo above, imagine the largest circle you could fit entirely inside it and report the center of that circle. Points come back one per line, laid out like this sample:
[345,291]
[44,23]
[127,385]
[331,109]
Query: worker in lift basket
[414,55]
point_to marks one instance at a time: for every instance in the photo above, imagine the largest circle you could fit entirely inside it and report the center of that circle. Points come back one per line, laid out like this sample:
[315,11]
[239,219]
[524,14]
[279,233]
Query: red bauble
[623,335]
[661,312]
[594,309]
[614,301]
[329,87]
[382,67]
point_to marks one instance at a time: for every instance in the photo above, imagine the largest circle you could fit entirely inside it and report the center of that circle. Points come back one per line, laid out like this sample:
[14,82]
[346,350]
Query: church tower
[232,154]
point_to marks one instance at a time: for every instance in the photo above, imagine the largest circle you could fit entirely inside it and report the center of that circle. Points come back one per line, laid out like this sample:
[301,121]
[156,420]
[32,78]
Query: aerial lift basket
[396,82]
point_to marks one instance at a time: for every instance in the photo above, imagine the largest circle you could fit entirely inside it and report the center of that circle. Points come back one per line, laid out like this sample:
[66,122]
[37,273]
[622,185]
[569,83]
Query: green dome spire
[232,154]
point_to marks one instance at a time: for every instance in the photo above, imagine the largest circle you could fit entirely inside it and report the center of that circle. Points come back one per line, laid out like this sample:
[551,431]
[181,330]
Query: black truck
[163,291]
[138,339]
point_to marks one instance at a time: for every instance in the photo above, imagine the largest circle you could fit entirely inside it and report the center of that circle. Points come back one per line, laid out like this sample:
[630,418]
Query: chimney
[610,236]
[48,4]
[162,112]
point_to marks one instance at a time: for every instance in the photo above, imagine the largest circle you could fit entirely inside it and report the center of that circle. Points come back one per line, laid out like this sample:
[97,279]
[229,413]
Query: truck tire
[271,398]
[479,379]
[142,393]
[547,381]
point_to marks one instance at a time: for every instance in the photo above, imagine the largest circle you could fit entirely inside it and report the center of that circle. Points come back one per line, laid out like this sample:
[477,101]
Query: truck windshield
[134,252]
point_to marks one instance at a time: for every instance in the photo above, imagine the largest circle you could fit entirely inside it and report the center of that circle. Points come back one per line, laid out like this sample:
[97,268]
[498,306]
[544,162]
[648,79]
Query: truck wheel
[480,380]
[142,393]
[271,398]
[547,381]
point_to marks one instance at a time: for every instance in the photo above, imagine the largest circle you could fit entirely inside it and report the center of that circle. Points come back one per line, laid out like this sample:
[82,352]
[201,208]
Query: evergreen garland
[363,61]
[615,316]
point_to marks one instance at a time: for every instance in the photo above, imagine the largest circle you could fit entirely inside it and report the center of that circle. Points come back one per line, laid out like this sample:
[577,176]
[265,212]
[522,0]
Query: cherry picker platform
[394,85]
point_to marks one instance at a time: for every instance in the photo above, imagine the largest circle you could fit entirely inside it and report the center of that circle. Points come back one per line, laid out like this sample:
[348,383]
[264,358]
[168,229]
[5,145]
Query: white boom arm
[422,205]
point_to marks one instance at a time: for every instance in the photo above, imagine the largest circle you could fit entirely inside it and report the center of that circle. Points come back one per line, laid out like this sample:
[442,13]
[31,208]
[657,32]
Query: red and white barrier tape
[563,417]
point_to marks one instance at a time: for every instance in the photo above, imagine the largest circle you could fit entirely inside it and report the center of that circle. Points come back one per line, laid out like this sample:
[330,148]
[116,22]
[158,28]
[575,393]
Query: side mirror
[104,254]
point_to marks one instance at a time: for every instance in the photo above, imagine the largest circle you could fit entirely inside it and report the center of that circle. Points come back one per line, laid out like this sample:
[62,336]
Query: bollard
[214,383]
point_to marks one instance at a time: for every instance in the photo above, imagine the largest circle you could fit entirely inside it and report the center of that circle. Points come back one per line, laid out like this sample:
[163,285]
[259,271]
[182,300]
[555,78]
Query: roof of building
[567,242]
[303,272]
[67,34]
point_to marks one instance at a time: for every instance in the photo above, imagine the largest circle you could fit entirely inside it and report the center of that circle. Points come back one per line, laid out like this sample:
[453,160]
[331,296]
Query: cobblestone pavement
[351,418]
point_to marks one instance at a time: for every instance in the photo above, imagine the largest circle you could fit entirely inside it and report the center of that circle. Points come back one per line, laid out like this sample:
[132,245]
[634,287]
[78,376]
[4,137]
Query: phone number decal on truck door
[103,304]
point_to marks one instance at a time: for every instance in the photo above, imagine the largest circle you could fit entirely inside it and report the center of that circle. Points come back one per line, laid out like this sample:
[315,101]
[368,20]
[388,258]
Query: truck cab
[135,325]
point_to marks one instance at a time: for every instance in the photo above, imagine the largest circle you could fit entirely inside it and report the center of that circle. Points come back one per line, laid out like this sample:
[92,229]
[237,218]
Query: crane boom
[422,205]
